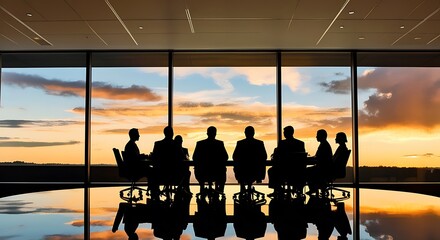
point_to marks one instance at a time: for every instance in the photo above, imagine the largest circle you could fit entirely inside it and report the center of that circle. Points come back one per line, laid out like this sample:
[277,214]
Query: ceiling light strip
[93,30]
[372,9]
[334,19]
[10,39]
[120,21]
[188,16]
[24,24]
[432,40]
[416,26]
[293,14]
[24,34]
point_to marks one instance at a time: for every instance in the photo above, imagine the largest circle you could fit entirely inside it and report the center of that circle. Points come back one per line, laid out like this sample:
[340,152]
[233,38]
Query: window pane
[398,118]
[42,134]
[227,90]
[316,94]
[132,96]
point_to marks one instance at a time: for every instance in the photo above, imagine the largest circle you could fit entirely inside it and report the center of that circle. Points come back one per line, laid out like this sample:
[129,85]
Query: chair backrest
[121,166]
[340,164]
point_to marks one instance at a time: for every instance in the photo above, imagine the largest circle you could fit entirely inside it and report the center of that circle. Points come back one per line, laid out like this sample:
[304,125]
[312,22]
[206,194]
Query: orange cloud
[77,88]
[404,97]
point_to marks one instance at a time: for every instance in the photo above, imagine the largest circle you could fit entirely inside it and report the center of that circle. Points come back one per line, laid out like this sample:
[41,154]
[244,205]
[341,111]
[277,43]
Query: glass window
[41,131]
[399,98]
[129,90]
[227,90]
[316,94]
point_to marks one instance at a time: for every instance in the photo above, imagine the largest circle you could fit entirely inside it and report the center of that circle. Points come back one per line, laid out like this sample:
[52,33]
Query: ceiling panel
[158,26]
[363,26]
[318,9]
[281,9]
[361,9]
[396,9]
[54,10]
[19,8]
[150,9]
[56,27]
[237,26]
[107,27]
[91,9]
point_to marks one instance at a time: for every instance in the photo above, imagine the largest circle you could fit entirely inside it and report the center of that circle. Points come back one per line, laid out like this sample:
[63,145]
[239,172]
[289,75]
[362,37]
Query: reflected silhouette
[210,158]
[288,215]
[210,217]
[249,221]
[249,160]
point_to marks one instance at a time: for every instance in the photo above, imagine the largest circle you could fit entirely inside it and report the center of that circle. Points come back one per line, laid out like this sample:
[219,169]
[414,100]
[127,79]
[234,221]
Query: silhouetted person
[249,159]
[168,160]
[340,139]
[185,167]
[320,173]
[179,141]
[284,156]
[210,158]
[135,160]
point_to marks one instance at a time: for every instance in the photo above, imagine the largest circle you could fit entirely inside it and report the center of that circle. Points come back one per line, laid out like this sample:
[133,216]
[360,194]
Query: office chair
[128,194]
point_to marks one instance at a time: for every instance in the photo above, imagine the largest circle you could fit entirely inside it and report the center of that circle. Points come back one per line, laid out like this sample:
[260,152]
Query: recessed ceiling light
[361,38]
[140,27]
[351,12]
[341,27]
[417,38]
[36,38]
[29,14]
[402,27]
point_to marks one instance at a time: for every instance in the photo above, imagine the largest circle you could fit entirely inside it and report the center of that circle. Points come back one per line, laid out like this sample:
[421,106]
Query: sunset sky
[42,110]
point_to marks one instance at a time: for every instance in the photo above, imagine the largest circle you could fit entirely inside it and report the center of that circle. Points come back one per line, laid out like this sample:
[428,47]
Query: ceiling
[219,24]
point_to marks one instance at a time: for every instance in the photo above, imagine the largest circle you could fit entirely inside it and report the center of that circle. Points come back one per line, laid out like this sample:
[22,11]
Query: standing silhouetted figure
[210,158]
[284,155]
[320,173]
[136,161]
[168,160]
[249,159]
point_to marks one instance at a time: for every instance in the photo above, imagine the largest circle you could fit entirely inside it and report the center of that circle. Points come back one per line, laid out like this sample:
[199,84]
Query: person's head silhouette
[179,140]
[168,132]
[212,132]
[249,132]
[134,134]
[288,132]
[341,138]
[321,135]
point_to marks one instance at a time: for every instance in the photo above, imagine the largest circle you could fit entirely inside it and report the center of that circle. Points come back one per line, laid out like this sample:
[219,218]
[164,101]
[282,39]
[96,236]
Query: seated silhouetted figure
[249,159]
[210,158]
[168,162]
[340,154]
[135,161]
[319,174]
[288,161]
[179,141]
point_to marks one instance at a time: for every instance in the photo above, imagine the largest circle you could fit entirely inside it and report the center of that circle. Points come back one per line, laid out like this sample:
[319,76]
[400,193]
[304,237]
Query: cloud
[6,237]
[24,207]
[99,223]
[425,155]
[408,97]
[17,123]
[402,226]
[35,144]
[77,88]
